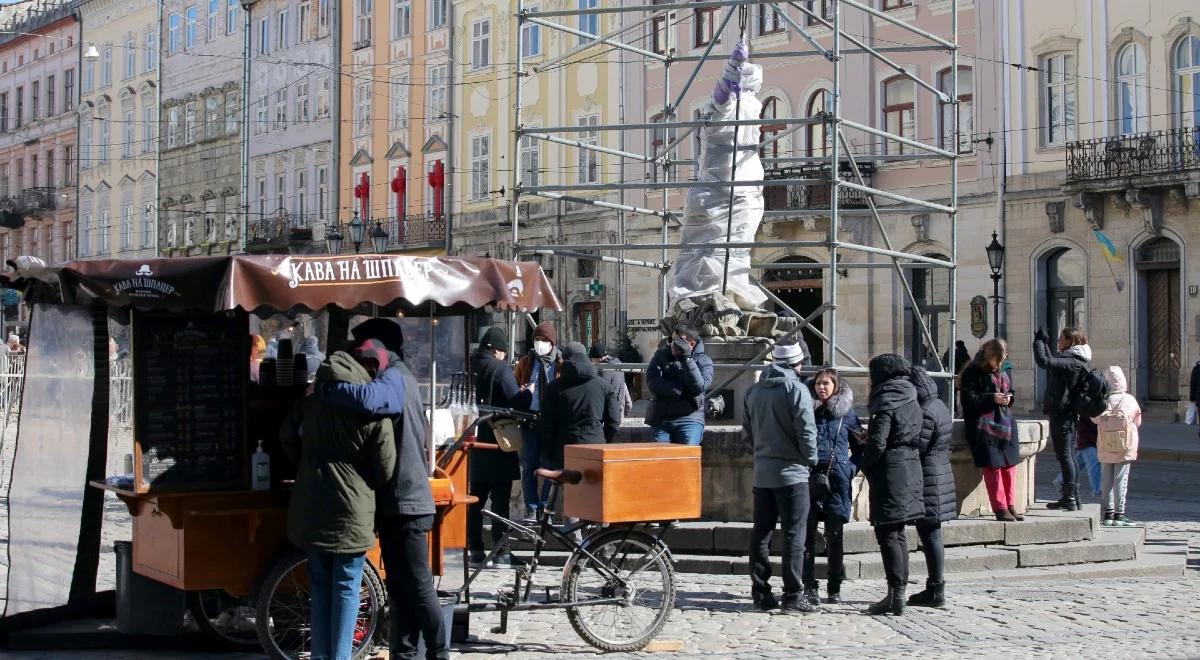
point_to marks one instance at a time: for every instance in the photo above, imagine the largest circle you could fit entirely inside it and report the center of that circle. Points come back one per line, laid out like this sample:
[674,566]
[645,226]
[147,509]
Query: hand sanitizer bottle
[260,469]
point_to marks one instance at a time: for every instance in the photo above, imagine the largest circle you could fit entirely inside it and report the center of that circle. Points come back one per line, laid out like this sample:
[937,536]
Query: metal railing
[808,196]
[39,199]
[12,383]
[279,229]
[413,231]
[1138,154]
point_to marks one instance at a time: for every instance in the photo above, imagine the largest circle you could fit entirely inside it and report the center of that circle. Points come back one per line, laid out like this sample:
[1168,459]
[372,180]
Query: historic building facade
[118,120]
[201,168]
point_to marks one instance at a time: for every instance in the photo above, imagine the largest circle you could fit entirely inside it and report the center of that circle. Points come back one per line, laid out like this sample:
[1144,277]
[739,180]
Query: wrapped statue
[700,273]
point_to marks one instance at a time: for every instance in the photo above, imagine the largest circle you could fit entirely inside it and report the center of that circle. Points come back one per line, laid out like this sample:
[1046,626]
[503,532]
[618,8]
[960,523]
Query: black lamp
[333,240]
[357,229]
[995,256]
[379,238]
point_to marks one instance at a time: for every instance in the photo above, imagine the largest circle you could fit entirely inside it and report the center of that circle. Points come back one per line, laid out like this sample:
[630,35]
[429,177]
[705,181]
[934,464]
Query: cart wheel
[283,609]
[224,618]
[644,563]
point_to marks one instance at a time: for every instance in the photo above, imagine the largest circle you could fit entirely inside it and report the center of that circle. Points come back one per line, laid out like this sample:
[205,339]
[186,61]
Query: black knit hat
[597,351]
[495,337]
[886,367]
[386,331]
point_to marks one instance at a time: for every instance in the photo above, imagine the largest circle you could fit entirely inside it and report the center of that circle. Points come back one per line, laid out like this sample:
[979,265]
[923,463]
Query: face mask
[542,348]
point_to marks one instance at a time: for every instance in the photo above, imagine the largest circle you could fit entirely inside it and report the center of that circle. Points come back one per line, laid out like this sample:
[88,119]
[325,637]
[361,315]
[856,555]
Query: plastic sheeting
[700,272]
[50,467]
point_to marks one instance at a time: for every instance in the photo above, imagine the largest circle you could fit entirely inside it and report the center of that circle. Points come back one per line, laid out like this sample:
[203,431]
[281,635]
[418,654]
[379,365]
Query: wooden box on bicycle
[633,482]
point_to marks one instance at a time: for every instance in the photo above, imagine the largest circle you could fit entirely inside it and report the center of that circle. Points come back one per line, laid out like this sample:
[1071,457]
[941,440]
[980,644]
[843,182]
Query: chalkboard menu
[189,380]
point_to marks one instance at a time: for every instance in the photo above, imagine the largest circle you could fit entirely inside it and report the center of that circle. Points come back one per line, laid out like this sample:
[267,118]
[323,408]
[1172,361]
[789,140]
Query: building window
[148,124]
[150,59]
[68,166]
[589,23]
[3,112]
[280,192]
[589,161]
[104,142]
[50,182]
[129,132]
[233,113]
[1066,301]
[438,10]
[20,174]
[212,117]
[437,92]
[322,17]
[20,108]
[172,44]
[189,122]
[822,8]
[659,31]
[899,112]
[302,102]
[660,137]
[147,224]
[281,29]
[531,161]
[127,227]
[68,90]
[401,18]
[399,102]
[214,11]
[85,237]
[301,191]
[105,229]
[362,23]
[130,58]
[323,95]
[192,16]
[85,143]
[481,44]
[33,169]
[1186,99]
[770,110]
[704,25]
[280,122]
[106,59]
[261,185]
[362,109]
[231,16]
[531,37]
[322,190]
[966,109]
[50,96]
[172,128]
[480,164]
[896,4]
[1058,98]
[817,135]
[264,36]
[769,19]
[4,187]
[35,100]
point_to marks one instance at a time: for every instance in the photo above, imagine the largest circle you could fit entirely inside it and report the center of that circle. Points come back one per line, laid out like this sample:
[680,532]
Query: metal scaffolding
[842,169]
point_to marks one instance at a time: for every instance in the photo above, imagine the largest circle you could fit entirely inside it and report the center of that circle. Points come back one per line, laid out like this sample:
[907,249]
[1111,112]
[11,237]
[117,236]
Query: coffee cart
[196,524]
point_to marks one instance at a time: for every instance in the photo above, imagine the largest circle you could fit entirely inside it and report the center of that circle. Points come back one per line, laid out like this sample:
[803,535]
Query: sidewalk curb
[1150,454]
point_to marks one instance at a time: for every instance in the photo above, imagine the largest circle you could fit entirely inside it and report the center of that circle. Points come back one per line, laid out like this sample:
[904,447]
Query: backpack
[1114,430]
[1088,397]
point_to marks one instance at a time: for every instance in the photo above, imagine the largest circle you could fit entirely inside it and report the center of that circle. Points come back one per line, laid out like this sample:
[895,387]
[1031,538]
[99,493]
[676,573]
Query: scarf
[541,368]
[997,427]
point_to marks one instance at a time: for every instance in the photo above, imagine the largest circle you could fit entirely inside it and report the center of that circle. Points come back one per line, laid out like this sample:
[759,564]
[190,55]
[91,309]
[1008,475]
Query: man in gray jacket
[778,418]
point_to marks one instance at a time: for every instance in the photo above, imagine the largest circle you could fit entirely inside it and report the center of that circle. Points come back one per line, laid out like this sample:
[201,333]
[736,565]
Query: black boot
[1069,500]
[811,593]
[833,593]
[764,601]
[893,602]
[934,595]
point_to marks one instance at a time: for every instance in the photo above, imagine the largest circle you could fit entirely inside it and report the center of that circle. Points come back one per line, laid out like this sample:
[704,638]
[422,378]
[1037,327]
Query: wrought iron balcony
[411,232]
[811,196]
[38,200]
[1151,154]
[277,231]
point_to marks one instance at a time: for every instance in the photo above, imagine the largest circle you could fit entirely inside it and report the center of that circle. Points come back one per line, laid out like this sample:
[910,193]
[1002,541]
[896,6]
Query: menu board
[189,378]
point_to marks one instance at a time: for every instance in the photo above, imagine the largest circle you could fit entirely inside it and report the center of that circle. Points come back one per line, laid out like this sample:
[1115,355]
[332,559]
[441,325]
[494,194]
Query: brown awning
[284,282]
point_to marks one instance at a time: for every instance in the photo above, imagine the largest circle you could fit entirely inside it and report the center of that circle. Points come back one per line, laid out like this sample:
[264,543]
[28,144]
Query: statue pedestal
[728,356]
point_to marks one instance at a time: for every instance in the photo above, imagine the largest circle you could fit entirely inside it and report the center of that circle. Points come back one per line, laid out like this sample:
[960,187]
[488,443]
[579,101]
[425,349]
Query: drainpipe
[335,85]
[79,127]
[1002,187]
[158,76]
[448,205]
[245,137]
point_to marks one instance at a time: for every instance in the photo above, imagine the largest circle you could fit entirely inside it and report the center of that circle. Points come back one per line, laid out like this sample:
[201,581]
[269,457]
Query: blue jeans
[530,462]
[1089,463]
[335,581]
[683,431]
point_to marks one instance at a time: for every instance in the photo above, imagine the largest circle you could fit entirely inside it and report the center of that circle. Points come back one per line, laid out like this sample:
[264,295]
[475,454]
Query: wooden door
[1163,341]
[588,323]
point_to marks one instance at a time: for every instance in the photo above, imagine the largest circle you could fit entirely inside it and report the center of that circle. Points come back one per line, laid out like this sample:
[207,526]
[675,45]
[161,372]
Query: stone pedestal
[728,356]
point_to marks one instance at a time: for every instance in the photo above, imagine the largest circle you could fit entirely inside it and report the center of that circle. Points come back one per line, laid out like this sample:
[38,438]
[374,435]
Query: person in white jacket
[1116,446]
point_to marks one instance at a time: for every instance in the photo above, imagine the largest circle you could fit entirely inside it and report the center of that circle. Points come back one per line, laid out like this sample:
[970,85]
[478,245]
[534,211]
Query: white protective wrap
[706,216]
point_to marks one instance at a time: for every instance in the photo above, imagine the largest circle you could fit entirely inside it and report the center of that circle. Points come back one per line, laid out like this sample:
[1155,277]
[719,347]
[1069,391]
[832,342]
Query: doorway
[1162,346]
[931,289]
[801,289]
[587,323]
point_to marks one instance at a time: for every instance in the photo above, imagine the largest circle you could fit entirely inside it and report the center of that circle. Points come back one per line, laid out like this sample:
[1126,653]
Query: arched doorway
[1159,322]
[931,289]
[1066,297]
[801,289]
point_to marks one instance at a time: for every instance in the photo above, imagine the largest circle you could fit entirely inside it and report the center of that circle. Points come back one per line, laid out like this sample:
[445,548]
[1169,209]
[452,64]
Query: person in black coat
[1194,386]
[987,398]
[892,463]
[1063,370]
[577,408]
[940,498]
[493,471]
[679,376]
[833,408]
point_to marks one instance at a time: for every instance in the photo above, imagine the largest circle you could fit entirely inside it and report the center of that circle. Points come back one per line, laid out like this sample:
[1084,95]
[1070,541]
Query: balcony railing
[278,230]
[1140,154]
[38,200]
[811,196]
[411,232]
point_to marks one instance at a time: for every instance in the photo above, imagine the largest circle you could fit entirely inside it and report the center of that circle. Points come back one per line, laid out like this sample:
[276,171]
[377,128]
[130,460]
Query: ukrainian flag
[1107,246]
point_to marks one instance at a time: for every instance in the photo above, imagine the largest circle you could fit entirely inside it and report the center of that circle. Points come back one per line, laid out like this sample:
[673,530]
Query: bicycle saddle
[561,476]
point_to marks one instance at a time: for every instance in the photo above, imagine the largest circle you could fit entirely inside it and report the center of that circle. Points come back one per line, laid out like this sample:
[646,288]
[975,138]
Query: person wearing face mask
[778,419]
[679,376]
[540,367]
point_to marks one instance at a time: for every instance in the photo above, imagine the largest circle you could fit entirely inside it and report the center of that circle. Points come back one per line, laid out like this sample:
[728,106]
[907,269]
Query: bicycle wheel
[283,609]
[647,597]
[224,618]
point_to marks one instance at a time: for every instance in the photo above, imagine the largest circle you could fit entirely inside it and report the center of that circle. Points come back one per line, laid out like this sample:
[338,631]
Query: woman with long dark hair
[987,398]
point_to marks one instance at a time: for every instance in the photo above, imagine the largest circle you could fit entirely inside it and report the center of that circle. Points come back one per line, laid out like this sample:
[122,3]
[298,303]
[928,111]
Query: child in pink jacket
[1117,446]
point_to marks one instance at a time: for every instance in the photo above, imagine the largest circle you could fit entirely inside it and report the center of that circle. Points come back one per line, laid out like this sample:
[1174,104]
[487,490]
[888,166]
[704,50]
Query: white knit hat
[790,354]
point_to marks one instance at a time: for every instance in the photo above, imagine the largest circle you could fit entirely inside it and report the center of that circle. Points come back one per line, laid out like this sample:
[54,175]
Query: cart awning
[312,282]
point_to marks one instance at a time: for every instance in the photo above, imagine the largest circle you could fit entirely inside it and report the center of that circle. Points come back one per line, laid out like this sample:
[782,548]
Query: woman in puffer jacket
[836,465]
[941,502]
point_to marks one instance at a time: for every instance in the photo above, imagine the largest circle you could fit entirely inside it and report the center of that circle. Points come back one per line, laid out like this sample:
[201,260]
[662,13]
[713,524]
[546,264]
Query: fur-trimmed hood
[839,404]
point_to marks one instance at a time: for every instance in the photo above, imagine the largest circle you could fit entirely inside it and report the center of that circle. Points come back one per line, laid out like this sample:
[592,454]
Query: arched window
[1066,301]
[899,112]
[770,110]
[931,288]
[801,288]
[966,108]
[817,142]
[1132,101]
[1187,82]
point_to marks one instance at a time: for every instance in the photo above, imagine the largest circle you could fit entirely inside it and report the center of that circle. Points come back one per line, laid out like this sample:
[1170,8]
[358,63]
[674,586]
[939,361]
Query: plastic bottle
[260,469]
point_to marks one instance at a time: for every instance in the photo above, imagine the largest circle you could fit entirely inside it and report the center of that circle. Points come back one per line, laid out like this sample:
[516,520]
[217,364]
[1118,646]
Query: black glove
[681,347]
[1040,335]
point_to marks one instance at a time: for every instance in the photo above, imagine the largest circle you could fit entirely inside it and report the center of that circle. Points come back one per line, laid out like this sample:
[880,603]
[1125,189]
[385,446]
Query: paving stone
[1056,554]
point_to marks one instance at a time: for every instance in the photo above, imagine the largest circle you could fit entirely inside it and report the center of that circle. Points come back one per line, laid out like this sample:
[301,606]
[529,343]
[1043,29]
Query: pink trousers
[1000,487]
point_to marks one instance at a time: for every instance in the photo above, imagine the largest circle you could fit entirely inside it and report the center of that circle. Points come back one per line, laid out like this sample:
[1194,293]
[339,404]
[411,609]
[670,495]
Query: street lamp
[333,240]
[995,256]
[356,231]
[379,238]
[91,53]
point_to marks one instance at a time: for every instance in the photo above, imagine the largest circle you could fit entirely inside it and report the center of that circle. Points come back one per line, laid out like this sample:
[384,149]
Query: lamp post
[358,234]
[995,256]
[379,238]
[333,240]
